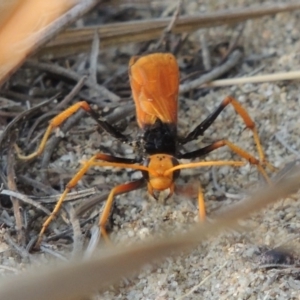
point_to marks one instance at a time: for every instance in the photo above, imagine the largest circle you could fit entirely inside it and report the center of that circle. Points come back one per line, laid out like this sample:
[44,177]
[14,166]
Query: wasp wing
[154,81]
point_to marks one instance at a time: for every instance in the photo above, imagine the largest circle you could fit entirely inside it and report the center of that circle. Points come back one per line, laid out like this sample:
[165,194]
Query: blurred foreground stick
[77,279]
[25,25]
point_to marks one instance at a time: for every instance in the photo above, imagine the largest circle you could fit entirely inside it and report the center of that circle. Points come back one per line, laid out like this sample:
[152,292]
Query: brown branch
[79,40]
[77,234]
[70,74]
[11,183]
[231,62]
[25,199]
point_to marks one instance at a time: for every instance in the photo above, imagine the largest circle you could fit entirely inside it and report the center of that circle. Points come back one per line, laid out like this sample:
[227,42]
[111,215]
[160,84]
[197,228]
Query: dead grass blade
[79,40]
[292,75]
[80,278]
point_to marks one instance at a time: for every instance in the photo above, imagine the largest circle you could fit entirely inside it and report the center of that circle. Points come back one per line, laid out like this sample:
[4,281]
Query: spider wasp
[154,80]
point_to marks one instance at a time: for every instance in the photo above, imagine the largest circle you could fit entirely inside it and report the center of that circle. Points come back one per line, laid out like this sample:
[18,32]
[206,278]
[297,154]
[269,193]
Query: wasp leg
[93,161]
[120,189]
[239,151]
[201,205]
[60,118]
[200,129]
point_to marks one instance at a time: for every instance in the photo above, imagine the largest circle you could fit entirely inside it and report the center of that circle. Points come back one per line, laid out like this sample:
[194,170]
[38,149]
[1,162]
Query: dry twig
[75,90]
[14,123]
[231,62]
[46,189]
[72,196]
[69,74]
[11,183]
[20,250]
[79,40]
[164,37]
[205,52]
[293,75]
[77,235]
[25,199]
[94,58]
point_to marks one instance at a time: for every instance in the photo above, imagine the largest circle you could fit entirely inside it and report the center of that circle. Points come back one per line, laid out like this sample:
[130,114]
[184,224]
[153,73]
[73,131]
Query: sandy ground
[227,267]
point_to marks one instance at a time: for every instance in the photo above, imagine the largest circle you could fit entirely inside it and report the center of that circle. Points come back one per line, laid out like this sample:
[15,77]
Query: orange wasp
[154,81]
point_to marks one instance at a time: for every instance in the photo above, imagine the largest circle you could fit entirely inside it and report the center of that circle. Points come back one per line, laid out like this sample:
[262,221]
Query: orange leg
[200,129]
[93,161]
[201,203]
[239,151]
[63,116]
[249,124]
[120,189]
[252,160]
[55,122]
